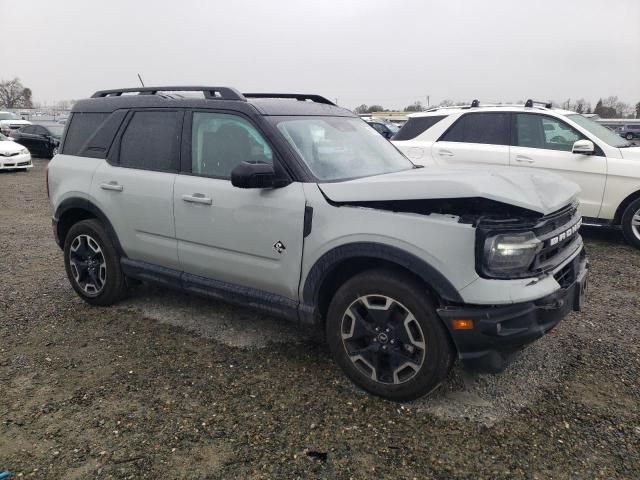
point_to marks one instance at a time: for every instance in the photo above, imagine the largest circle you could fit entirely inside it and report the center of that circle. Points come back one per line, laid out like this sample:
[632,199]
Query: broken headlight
[510,255]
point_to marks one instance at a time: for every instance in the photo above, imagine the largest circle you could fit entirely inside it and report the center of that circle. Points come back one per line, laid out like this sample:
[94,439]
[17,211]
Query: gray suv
[289,204]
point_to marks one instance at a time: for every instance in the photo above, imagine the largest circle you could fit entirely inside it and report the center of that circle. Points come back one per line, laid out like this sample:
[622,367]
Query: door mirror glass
[253,175]
[583,147]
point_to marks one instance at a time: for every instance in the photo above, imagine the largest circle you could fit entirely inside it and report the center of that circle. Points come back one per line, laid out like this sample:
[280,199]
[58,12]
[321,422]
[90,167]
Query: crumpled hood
[8,146]
[631,153]
[541,192]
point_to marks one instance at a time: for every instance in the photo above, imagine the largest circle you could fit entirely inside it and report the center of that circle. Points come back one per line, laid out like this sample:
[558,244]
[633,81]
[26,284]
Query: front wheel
[93,264]
[631,223]
[385,334]
[629,136]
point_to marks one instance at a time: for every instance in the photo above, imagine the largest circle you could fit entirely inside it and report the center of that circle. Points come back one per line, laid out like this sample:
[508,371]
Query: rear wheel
[93,264]
[629,136]
[631,223]
[385,334]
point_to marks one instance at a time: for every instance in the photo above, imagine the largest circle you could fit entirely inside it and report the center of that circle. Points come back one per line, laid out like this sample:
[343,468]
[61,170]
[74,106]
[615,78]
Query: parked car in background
[629,131]
[383,127]
[299,209]
[13,156]
[605,166]
[42,140]
[9,122]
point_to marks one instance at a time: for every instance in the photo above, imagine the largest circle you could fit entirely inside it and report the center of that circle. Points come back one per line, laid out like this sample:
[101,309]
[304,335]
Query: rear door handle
[445,153]
[523,159]
[112,186]
[197,198]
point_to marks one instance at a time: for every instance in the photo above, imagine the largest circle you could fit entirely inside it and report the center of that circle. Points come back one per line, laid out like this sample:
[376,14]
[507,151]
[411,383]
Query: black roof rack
[530,103]
[475,103]
[219,93]
[297,96]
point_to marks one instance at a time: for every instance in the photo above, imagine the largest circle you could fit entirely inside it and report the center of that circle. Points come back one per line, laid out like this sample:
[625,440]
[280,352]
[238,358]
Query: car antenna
[140,78]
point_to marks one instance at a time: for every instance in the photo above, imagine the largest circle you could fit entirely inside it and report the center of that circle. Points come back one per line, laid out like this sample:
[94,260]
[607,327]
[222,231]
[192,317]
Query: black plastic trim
[308,221]
[85,204]
[265,302]
[333,258]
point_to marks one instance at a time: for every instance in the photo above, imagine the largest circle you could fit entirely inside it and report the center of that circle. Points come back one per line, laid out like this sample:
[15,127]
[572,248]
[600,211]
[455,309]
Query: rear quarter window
[81,127]
[417,125]
[485,128]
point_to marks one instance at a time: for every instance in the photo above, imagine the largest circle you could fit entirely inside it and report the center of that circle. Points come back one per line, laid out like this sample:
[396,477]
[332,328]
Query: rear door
[545,142]
[135,188]
[478,139]
[26,137]
[245,237]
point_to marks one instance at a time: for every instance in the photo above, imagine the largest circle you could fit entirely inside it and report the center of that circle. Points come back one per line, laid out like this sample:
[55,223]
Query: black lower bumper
[499,332]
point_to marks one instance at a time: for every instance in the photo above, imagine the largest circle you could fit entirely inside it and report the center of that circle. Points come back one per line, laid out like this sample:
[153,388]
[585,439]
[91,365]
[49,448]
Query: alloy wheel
[88,265]
[383,339]
[635,224]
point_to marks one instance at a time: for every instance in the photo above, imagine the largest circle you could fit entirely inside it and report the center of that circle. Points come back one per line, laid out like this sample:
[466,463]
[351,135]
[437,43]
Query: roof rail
[210,93]
[530,103]
[297,96]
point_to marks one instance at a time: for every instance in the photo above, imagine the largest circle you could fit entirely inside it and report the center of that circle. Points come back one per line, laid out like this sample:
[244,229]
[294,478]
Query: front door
[245,237]
[545,142]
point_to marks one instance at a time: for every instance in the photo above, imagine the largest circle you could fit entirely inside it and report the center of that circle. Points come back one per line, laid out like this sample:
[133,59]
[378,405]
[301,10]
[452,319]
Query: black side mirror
[253,175]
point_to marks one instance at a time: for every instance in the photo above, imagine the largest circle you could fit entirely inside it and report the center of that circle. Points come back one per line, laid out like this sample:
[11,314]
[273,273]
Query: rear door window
[484,128]
[151,141]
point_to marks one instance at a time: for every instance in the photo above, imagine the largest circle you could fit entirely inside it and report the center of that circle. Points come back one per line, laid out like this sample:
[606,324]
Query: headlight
[24,150]
[510,255]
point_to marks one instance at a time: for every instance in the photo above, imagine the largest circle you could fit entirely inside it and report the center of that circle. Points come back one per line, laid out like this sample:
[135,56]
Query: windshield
[603,133]
[340,148]
[9,116]
[393,127]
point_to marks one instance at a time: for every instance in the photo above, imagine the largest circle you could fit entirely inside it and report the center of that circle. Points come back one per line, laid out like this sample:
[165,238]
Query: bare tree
[14,95]
[414,107]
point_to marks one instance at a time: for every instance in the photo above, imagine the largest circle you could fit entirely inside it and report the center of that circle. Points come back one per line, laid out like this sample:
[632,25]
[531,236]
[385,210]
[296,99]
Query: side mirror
[253,175]
[583,147]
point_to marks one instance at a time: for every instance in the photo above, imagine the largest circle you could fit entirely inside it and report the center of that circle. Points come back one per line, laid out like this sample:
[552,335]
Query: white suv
[292,205]
[605,166]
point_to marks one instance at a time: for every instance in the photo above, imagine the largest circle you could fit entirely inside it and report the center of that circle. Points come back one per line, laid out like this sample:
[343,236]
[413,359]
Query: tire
[631,223]
[93,264]
[629,136]
[384,332]
[53,152]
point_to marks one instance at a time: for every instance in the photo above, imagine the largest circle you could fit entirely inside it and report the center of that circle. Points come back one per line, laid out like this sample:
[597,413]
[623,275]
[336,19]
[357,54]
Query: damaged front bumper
[500,332]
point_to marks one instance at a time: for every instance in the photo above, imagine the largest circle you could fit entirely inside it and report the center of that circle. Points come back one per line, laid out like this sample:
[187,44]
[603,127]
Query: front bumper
[500,332]
[16,161]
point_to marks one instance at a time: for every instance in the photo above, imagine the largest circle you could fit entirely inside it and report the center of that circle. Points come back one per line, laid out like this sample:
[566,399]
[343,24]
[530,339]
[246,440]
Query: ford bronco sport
[294,206]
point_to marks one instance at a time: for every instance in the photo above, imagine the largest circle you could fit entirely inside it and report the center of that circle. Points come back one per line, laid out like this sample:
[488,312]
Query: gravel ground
[173,386]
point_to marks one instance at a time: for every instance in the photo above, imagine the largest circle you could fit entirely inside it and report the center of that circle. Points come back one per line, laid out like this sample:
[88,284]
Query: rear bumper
[501,331]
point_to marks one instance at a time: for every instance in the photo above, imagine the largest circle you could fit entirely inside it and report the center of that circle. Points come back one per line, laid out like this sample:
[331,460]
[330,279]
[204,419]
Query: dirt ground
[171,386]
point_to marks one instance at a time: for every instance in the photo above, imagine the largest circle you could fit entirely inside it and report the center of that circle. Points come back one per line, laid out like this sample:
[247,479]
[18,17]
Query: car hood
[7,146]
[15,122]
[631,153]
[541,192]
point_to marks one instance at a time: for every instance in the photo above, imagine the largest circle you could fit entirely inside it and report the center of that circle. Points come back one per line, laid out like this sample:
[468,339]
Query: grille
[10,154]
[559,235]
[566,276]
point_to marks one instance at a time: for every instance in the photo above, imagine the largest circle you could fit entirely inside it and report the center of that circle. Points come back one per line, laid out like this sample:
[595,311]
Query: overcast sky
[358,51]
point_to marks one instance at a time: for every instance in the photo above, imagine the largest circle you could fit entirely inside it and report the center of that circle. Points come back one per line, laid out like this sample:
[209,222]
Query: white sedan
[13,155]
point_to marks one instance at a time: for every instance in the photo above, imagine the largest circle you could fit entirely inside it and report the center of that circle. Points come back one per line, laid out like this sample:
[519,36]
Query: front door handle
[445,153]
[197,198]
[112,186]
[523,159]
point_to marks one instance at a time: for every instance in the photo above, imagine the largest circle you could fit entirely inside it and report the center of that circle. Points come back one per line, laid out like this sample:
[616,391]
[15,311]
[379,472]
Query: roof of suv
[217,97]
[489,108]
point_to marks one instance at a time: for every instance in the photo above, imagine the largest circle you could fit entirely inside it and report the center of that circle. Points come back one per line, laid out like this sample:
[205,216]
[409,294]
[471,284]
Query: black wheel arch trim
[333,258]
[86,204]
